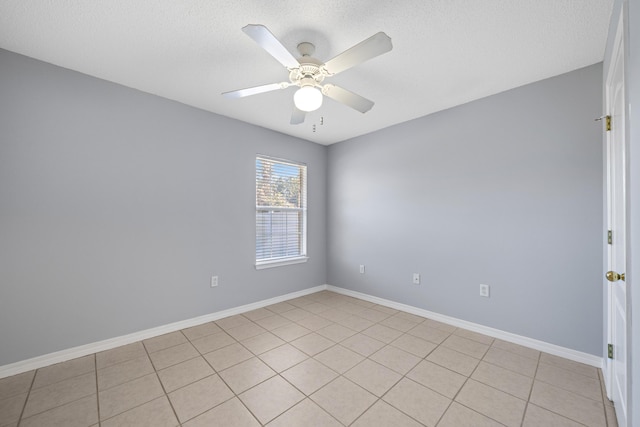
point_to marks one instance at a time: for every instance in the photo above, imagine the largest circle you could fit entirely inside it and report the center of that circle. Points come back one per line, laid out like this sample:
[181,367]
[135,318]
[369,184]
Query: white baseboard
[556,350]
[84,350]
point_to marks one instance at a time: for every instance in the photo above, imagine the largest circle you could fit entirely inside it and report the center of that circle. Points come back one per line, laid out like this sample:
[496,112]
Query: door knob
[612,276]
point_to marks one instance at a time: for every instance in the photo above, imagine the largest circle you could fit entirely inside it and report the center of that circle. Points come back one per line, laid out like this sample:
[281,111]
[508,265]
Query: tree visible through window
[281,210]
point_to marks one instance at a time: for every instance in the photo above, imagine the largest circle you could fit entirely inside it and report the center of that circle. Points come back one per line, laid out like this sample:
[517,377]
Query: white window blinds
[281,210]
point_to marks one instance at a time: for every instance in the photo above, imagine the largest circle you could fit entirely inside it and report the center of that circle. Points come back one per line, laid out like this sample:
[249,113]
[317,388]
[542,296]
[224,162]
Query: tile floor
[320,360]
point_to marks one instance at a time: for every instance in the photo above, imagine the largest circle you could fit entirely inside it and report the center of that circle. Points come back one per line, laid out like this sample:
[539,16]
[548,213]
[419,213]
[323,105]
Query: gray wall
[631,14]
[117,206]
[505,191]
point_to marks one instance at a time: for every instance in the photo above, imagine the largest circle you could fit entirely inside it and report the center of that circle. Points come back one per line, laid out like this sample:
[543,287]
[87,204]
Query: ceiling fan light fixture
[307,98]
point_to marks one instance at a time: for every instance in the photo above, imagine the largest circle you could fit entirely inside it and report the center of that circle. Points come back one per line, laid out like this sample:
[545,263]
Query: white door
[616,197]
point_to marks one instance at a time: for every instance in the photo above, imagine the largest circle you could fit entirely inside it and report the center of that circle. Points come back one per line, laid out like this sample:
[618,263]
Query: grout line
[95,365]
[26,400]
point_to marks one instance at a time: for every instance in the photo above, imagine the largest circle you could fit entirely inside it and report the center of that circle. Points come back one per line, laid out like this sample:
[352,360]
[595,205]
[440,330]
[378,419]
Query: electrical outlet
[416,278]
[361,268]
[484,290]
[214,281]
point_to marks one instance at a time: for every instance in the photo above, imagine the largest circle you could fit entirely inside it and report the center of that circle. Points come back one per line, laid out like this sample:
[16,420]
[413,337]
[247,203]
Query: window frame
[302,255]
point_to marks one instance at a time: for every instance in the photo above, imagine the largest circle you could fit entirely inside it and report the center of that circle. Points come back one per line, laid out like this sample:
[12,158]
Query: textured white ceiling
[446,52]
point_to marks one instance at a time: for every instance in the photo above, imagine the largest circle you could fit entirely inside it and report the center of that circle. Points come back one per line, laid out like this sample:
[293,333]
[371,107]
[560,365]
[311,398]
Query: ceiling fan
[308,73]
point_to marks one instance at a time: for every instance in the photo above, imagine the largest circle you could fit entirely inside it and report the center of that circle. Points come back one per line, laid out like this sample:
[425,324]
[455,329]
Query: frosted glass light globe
[307,98]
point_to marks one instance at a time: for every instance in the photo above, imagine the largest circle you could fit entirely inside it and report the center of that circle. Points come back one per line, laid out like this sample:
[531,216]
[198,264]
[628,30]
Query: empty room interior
[418,213]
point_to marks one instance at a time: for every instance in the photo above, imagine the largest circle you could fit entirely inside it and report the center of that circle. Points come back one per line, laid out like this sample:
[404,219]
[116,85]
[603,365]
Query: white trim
[108,344]
[280,262]
[567,353]
[84,350]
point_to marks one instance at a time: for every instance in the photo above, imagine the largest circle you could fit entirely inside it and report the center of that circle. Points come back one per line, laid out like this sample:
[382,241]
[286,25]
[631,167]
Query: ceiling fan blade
[261,35]
[255,90]
[370,48]
[297,117]
[348,98]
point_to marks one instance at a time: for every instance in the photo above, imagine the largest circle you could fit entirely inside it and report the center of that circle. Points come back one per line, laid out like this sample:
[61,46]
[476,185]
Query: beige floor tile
[517,349]
[428,333]
[335,315]
[508,381]
[461,416]
[382,333]
[283,357]
[262,343]
[273,322]
[245,375]
[120,354]
[80,413]
[417,401]
[336,332]
[213,342]
[352,308]
[122,372]
[466,346]
[196,398]
[245,331]
[437,378]
[156,413]
[129,395]
[568,404]
[164,341]
[312,343]
[59,393]
[362,344]
[410,317]
[16,384]
[343,399]
[305,413]
[290,332]
[381,414]
[280,307]
[373,315]
[339,358]
[399,323]
[439,325]
[184,373]
[511,361]
[301,301]
[228,356]
[493,403]
[373,377]
[536,417]
[451,359]
[200,331]
[414,345]
[309,376]
[231,413]
[258,314]
[610,413]
[296,314]
[569,380]
[387,310]
[173,355]
[315,322]
[232,321]
[11,408]
[271,398]
[395,359]
[316,308]
[356,323]
[474,336]
[570,365]
[62,371]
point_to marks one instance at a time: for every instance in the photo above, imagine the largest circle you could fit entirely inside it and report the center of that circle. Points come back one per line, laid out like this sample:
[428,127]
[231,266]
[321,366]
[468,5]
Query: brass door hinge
[610,351]
[610,237]
[608,122]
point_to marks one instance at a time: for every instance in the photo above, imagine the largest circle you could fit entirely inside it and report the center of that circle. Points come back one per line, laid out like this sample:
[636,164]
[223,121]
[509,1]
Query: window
[281,212]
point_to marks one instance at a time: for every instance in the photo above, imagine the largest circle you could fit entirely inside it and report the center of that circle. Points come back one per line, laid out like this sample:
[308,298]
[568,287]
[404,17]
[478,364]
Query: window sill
[280,262]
